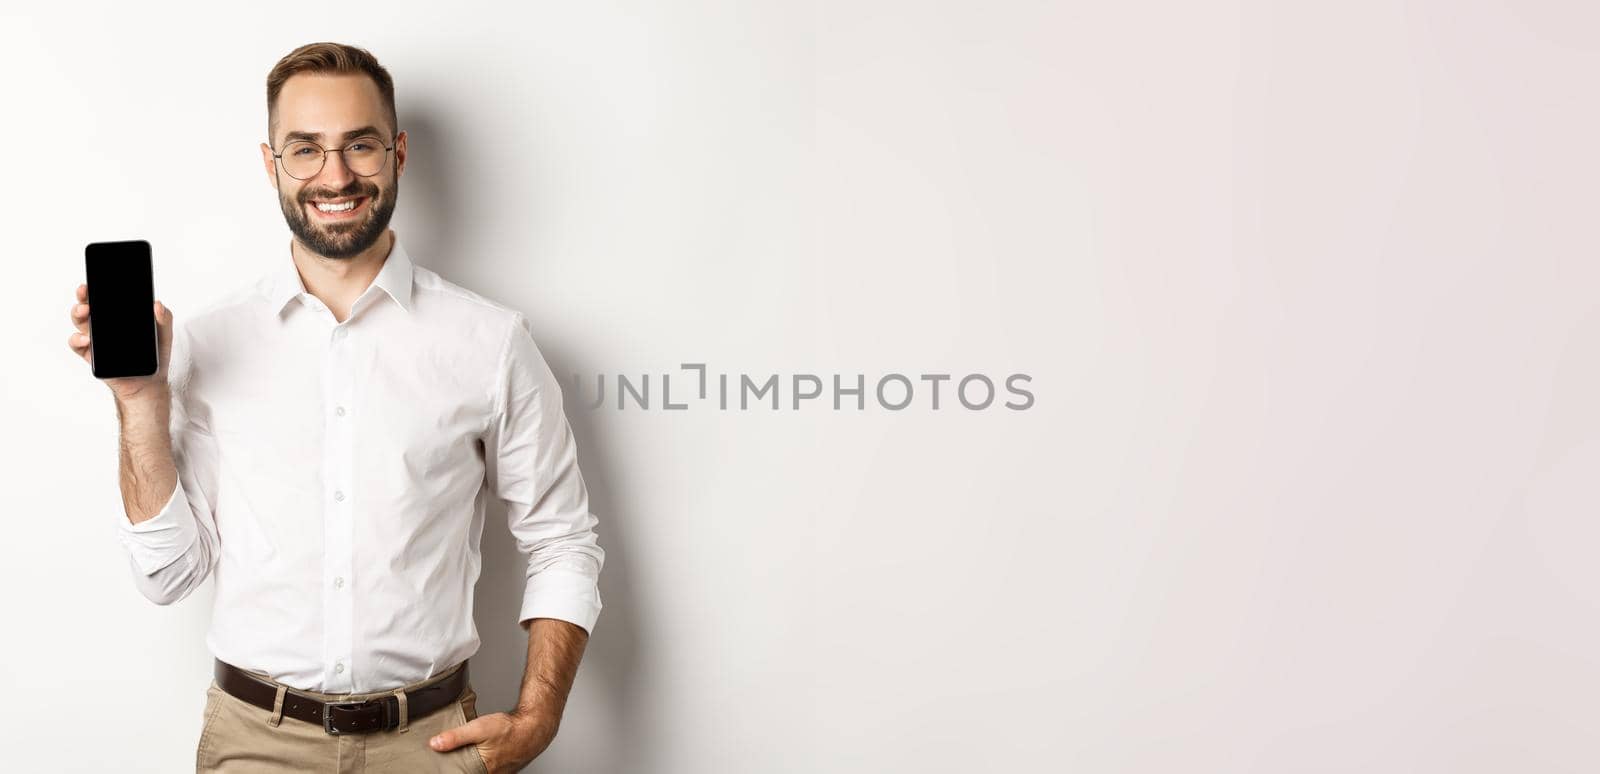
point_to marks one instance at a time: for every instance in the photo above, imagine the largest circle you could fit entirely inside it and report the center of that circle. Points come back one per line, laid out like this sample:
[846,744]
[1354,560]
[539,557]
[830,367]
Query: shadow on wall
[607,673]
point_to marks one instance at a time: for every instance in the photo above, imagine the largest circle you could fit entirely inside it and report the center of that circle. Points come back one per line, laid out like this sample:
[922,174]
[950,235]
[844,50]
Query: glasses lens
[365,155]
[302,160]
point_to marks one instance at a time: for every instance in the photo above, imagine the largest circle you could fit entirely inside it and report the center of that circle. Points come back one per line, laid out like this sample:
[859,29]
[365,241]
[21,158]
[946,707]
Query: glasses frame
[387,149]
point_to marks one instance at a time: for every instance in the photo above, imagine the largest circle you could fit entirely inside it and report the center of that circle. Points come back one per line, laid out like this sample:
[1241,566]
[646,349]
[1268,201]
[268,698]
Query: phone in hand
[123,338]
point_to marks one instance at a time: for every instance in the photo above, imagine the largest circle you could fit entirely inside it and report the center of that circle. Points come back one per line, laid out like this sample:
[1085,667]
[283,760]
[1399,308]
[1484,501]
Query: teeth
[350,205]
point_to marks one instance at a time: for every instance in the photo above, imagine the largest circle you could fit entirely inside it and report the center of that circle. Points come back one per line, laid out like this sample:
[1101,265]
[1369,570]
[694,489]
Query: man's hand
[507,740]
[128,388]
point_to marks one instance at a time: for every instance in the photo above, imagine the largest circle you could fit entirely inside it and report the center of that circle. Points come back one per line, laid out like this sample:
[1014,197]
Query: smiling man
[323,445]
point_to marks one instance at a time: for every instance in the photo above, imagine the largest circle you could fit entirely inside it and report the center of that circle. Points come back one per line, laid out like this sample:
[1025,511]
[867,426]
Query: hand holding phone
[122,331]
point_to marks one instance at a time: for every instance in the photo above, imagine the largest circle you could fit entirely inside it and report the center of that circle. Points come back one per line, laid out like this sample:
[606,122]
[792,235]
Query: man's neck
[339,282]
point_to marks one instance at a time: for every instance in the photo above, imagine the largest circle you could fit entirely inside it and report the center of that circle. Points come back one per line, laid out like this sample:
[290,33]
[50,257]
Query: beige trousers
[240,738]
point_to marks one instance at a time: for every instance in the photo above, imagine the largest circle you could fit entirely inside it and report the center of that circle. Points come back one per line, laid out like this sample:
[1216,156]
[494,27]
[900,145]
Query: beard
[342,239]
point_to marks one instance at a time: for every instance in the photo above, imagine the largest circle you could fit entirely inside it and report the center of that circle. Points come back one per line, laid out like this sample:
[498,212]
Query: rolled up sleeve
[159,541]
[532,465]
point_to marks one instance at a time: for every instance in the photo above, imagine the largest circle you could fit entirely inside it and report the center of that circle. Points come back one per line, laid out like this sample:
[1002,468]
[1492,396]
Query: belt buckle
[352,706]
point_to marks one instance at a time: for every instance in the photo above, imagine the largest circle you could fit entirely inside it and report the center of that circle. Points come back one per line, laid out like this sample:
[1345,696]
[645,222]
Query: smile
[338,209]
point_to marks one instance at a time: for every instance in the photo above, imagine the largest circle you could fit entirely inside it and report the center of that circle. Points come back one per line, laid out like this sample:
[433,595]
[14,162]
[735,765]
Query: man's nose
[334,172]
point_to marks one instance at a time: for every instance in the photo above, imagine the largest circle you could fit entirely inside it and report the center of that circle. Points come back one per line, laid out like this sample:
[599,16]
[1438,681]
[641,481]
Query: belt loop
[400,693]
[277,707]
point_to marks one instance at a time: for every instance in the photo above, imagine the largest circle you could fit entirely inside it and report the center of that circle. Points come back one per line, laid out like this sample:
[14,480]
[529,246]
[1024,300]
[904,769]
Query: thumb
[163,326]
[472,733]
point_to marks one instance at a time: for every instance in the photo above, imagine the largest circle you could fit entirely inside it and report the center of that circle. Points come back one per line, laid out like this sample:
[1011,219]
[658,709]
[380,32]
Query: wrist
[540,700]
[145,420]
[536,721]
[150,398]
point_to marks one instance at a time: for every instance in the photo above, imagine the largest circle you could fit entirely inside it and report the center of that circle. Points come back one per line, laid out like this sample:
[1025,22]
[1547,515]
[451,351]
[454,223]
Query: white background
[1307,290]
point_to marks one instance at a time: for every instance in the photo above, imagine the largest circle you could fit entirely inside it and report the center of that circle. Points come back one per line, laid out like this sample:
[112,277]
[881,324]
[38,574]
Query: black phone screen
[122,320]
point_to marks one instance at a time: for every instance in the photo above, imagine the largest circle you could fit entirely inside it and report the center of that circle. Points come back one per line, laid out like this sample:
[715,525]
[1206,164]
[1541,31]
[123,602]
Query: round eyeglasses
[303,159]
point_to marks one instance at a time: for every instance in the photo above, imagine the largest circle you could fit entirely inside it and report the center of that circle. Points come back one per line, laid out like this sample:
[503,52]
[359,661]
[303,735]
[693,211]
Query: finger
[80,317]
[83,292]
[471,733]
[79,342]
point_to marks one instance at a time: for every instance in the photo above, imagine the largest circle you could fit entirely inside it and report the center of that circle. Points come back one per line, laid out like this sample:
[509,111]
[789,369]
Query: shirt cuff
[161,540]
[565,594]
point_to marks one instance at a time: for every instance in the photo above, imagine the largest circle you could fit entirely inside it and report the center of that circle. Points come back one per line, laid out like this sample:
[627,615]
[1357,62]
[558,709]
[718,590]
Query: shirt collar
[395,278]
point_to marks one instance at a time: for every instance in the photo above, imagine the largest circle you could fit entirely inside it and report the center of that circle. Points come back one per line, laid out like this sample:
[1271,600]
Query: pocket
[213,704]
[483,765]
[469,712]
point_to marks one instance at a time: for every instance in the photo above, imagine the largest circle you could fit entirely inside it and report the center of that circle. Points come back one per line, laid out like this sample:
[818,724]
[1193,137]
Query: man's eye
[360,146]
[303,151]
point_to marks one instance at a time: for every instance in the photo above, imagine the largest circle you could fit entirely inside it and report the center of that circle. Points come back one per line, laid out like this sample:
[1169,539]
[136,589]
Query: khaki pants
[241,738]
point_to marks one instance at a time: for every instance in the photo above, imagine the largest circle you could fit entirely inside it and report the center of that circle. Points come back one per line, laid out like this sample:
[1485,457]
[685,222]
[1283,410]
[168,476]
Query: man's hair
[330,59]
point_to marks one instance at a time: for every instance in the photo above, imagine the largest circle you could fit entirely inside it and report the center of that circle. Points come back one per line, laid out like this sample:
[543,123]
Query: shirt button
[339,667]
[338,583]
[339,410]
[339,495]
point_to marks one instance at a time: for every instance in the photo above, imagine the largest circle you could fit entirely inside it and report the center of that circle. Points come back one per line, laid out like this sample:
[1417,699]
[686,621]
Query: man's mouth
[342,208]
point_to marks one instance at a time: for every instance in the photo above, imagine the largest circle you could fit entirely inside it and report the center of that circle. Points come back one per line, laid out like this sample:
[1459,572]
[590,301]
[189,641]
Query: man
[323,446]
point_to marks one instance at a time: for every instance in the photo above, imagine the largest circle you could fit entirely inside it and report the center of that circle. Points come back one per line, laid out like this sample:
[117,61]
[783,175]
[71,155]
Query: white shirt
[333,478]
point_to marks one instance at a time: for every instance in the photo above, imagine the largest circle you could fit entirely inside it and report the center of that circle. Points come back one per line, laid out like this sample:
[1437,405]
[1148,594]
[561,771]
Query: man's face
[325,109]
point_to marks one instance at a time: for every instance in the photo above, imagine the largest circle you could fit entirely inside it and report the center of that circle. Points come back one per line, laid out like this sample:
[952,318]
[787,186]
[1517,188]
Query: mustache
[349,190]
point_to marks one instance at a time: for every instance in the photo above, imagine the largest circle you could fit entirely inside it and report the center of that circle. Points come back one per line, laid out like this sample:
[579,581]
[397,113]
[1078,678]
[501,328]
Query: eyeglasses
[303,159]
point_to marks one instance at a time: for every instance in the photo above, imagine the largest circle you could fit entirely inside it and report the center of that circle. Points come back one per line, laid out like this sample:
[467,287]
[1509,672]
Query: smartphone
[123,338]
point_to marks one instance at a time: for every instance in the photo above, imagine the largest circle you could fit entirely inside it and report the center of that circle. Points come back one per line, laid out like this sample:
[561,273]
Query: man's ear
[270,164]
[399,153]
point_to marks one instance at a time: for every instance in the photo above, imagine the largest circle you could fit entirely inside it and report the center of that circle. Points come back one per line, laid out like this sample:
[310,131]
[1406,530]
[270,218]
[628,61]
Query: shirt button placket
[339,607]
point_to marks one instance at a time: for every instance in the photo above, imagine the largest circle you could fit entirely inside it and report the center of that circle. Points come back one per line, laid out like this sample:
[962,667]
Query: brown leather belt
[347,717]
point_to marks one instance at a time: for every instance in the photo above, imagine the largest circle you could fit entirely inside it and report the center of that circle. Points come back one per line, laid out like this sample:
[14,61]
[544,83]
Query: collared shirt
[333,478]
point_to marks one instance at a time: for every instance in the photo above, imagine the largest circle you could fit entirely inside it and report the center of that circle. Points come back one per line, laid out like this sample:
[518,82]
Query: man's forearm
[146,469]
[554,649]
